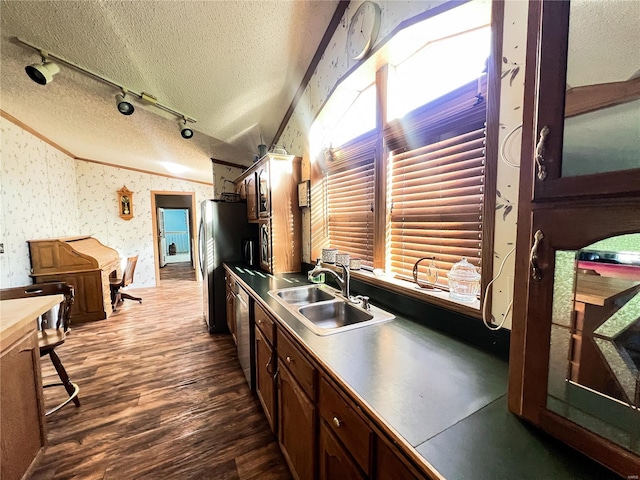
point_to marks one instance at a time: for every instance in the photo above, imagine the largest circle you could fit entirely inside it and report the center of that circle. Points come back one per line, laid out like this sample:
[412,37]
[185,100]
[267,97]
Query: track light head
[124,107]
[42,73]
[185,131]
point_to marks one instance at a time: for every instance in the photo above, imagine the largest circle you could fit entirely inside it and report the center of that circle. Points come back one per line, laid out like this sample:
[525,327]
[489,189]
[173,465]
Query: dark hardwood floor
[161,399]
[178,271]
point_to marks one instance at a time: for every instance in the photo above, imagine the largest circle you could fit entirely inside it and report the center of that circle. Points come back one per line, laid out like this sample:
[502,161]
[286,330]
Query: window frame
[494,67]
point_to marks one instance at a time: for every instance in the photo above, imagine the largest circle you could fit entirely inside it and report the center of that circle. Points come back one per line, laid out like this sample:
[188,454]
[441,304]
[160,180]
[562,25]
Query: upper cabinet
[585,133]
[576,327]
[271,187]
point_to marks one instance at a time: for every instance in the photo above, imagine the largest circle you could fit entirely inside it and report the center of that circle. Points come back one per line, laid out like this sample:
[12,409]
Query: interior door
[162,241]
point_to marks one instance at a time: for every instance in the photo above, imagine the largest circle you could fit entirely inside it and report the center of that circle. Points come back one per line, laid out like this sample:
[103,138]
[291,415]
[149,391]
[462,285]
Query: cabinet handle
[539,156]
[268,364]
[259,322]
[275,377]
[288,359]
[536,273]
[337,422]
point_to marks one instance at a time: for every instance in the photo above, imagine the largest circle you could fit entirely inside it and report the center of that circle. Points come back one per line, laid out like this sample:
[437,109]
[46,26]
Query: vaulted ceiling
[234,66]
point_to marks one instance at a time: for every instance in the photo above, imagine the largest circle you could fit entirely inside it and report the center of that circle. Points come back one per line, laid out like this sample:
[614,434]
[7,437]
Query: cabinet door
[265,385]
[252,197]
[265,246]
[231,308]
[389,465]
[574,361]
[335,462]
[297,427]
[264,193]
[21,425]
[582,131]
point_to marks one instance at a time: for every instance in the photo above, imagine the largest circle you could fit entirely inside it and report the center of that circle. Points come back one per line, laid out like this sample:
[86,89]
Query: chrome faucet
[343,282]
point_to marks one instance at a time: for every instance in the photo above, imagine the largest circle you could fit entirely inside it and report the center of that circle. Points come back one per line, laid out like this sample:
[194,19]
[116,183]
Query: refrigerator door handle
[201,248]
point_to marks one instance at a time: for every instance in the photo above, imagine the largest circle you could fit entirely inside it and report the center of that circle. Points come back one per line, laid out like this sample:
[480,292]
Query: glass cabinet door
[587,119]
[264,208]
[583,314]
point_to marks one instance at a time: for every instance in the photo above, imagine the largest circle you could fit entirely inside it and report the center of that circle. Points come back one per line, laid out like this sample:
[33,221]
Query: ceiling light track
[43,74]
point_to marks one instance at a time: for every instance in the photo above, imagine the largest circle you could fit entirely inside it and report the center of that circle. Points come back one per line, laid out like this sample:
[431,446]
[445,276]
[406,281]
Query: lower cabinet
[265,385]
[22,433]
[335,461]
[389,465]
[297,426]
[231,307]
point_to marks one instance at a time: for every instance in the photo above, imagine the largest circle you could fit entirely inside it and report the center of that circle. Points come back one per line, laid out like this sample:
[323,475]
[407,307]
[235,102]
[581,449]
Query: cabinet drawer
[301,368]
[264,322]
[346,424]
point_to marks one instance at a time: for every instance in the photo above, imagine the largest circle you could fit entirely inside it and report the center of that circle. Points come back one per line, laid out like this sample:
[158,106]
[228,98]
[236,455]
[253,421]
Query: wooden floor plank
[161,399]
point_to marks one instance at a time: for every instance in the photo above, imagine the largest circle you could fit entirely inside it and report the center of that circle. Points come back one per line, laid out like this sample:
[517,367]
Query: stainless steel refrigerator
[223,226]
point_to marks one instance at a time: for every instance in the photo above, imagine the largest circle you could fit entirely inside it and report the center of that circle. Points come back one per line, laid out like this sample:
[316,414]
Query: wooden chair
[52,330]
[117,296]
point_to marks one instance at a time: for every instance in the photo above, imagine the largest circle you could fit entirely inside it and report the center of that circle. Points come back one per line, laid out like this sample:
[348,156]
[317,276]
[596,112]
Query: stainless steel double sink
[325,311]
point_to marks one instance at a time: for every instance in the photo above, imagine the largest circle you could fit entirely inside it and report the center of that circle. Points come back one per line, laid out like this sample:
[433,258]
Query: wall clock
[125,203]
[363,30]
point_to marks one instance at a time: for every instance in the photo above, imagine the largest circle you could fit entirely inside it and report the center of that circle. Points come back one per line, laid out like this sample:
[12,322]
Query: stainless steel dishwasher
[243,333]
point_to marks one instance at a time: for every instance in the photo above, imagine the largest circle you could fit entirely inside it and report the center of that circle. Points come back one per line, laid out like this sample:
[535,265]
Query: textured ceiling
[234,66]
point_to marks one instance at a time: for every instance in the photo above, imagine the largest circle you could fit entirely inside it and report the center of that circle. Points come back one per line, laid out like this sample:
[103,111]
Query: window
[397,187]
[350,199]
[436,189]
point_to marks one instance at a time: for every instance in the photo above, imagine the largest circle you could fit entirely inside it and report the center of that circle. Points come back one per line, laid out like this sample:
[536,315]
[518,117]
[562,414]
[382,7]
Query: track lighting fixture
[42,73]
[124,107]
[185,131]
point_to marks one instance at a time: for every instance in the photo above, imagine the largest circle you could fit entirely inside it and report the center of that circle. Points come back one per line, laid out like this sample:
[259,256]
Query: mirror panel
[602,110]
[594,359]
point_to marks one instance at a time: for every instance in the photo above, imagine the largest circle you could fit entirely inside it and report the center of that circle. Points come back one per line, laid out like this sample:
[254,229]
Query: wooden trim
[612,456]
[27,128]
[326,38]
[140,170]
[380,171]
[521,276]
[589,98]
[154,229]
[38,135]
[229,164]
[491,152]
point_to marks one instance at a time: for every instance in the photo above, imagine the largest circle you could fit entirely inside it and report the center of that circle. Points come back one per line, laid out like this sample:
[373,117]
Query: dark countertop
[444,397]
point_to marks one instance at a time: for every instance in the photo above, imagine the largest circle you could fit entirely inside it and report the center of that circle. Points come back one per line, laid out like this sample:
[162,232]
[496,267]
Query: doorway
[175,235]
[173,226]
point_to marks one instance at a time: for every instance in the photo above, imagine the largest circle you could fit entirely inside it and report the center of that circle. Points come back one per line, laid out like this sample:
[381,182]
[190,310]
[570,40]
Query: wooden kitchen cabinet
[335,461]
[22,430]
[252,197]
[571,375]
[389,465]
[297,426]
[322,431]
[342,418]
[231,306]
[266,363]
[297,410]
[271,184]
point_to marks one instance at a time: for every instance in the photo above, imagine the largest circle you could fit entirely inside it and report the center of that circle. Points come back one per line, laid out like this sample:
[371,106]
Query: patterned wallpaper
[335,63]
[38,198]
[44,193]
